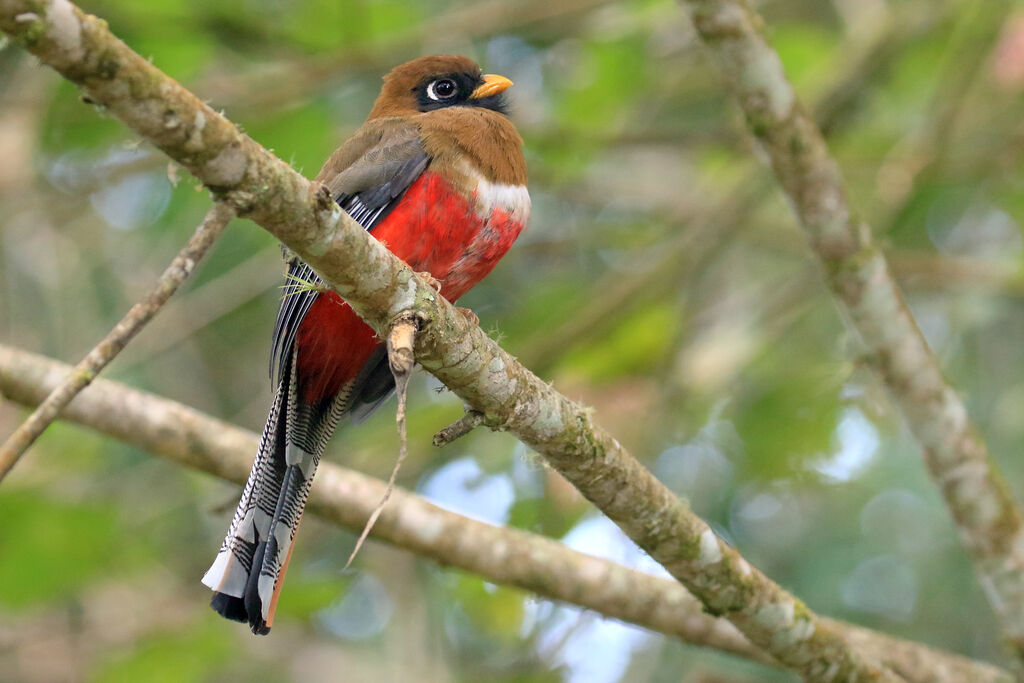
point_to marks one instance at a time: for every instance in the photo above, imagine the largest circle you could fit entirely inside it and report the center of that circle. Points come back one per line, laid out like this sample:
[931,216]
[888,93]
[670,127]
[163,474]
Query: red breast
[436,228]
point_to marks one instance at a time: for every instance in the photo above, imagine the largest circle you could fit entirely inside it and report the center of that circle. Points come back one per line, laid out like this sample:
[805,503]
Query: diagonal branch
[976,494]
[541,565]
[380,287]
[134,320]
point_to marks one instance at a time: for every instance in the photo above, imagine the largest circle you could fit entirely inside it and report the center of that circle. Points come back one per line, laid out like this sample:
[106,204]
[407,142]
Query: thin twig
[104,352]
[458,429]
[402,360]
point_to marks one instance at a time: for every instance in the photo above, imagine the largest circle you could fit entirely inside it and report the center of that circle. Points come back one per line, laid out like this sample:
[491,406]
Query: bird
[437,174]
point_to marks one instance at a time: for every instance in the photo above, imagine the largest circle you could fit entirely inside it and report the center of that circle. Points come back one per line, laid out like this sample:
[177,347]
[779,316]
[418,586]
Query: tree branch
[508,556]
[458,429]
[134,320]
[981,504]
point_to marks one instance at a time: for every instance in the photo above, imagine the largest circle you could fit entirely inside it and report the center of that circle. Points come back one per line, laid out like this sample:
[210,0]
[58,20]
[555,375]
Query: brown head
[436,82]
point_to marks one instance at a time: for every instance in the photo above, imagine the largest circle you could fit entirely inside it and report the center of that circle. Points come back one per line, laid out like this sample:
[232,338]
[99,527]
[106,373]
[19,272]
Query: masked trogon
[437,174]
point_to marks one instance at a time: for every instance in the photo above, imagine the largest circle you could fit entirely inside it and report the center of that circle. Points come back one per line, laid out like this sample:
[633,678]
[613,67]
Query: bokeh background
[663,280]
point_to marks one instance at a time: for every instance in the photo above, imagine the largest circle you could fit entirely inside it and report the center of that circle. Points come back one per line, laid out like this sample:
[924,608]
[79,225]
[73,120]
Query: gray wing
[367,191]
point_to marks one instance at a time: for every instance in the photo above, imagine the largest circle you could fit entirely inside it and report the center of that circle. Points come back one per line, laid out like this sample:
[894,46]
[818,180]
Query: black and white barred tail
[247,573]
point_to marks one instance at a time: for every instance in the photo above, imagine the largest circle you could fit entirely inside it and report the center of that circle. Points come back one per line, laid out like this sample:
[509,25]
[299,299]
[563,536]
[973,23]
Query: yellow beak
[492,85]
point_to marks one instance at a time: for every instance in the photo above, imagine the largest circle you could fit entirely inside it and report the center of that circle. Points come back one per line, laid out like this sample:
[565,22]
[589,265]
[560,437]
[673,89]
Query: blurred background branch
[134,320]
[982,505]
[508,556]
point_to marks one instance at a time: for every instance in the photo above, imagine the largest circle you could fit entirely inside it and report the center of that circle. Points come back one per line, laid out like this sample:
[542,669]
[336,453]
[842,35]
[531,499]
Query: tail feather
[229,573]
[248,571]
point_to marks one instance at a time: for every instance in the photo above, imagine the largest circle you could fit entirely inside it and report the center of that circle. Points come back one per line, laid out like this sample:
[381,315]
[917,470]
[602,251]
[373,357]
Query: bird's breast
[457,235]
[456,231]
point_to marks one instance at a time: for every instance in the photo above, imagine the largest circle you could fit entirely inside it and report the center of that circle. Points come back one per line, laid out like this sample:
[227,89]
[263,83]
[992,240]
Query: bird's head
[436,82]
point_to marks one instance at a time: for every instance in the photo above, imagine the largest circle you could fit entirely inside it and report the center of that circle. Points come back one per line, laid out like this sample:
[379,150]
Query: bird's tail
[246,576]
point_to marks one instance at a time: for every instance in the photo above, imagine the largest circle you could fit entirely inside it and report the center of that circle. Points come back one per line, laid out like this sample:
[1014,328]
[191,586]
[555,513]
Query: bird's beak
[492,85]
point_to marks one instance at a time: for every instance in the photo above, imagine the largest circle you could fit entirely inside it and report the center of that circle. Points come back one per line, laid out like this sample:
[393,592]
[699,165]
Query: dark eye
[442,89]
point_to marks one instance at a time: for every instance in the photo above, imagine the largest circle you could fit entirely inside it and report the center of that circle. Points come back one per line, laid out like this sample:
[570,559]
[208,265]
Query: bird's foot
[468,314]
[431,280]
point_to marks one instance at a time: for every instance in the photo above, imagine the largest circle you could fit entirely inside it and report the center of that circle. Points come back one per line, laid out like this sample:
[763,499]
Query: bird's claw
[468,314]
[431,280]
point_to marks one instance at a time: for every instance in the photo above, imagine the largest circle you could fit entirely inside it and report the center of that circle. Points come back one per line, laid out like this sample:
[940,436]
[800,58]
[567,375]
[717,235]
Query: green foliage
[51,550]
[787,417]
[308,595]
[803,49]
[186,656]
[496,611]
[298,136]
[637,345]
[538,308]
[603,72]
[542,516]
[181,51]
[320,25]
[69,124]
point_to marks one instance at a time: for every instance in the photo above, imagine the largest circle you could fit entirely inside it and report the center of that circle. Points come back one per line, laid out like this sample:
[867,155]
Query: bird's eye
[442,89]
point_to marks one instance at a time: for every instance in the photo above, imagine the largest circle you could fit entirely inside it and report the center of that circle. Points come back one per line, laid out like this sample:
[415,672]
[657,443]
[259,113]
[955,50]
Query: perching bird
[437,174]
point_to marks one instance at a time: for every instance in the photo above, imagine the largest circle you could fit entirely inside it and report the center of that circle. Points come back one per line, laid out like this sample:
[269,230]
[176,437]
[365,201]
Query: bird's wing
[366,177]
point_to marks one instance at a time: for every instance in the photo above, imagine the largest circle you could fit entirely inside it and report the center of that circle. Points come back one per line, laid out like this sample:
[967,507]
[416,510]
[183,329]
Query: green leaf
[187,655]
[495,610]
[803,49]
[50,550]
[637,345]
[302,137]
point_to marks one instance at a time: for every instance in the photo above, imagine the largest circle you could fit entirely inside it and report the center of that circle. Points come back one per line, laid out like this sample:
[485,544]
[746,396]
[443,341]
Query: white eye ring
[432,92]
